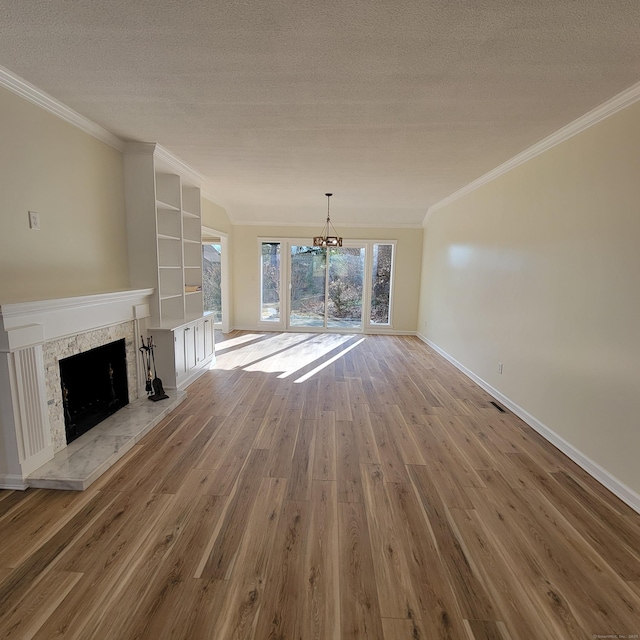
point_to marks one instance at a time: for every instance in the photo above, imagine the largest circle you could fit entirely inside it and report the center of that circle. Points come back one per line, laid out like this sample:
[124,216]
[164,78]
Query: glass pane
[211,278]
[307,286]
[270,282]
[346,274]
[381,283]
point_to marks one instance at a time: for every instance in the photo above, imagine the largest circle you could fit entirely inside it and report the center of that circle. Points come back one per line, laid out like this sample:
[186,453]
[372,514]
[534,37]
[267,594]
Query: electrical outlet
[499,367]
[34,220]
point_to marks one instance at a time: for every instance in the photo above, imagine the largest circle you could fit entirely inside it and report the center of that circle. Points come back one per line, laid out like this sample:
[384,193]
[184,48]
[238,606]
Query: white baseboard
[626,494]
[371,331]
[12,482]
[384,331]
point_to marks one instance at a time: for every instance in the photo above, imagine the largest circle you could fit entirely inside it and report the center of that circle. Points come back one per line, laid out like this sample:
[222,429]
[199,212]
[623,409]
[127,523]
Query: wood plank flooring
[326,487]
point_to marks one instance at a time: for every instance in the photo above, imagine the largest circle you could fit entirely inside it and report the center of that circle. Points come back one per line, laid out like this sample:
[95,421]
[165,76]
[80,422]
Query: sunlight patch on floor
[285,354]
[234,342]
[289,361]
[251,356]
[320,367]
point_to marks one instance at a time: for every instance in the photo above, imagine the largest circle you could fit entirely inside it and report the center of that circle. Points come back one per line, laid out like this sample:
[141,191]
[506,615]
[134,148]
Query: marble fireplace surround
[56,350]
[34,336]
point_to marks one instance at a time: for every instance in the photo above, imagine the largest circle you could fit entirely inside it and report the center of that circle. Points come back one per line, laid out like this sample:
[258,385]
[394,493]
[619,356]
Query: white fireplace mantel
[24,327]
[27,323]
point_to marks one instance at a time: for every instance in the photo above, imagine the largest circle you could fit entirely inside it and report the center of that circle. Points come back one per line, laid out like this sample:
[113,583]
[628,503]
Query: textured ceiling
[392,105]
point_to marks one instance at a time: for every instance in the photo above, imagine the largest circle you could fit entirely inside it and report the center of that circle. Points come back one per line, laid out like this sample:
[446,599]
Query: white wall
[540,269]
[75,183]
[215,216]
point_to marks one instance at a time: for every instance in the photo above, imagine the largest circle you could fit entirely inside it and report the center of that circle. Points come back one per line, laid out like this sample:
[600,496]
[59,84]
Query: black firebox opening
[94,386]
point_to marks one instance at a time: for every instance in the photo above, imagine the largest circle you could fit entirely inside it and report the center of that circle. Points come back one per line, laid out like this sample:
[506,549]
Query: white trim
[58,304]
[166,161]
[621,101]
[37,460]
[262,328]
[368,325]
[626,494]
[171,161]
[382,330]
[12,482]
[350,225]
[24,324]
[225,280]
[243,327]
[30,92]
[273,325]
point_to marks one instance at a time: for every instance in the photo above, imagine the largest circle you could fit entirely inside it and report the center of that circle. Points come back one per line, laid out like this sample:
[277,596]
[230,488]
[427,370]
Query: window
[326,286]
[381,283]
[212,279]
[270,282]
[348,287]
[307,284]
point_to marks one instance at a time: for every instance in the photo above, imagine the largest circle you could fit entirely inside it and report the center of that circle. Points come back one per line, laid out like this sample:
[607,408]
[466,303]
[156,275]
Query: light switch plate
[34,220]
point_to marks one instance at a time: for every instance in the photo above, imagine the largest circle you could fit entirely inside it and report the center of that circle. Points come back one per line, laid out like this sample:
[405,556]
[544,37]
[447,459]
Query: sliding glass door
[341,288]
[344,291]
[326,287]
[308,286]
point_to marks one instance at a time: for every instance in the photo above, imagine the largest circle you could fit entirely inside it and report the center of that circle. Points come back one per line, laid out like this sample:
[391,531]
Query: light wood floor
[379,497]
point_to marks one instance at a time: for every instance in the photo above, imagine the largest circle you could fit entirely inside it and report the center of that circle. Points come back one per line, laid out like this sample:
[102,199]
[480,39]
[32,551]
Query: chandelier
[325,240]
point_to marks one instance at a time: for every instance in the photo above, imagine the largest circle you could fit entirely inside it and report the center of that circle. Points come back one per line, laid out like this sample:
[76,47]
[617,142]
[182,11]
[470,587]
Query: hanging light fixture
[325,240]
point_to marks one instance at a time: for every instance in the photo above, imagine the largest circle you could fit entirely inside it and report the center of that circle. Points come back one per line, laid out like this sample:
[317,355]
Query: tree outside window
[211,279]
[270,294]
[381,283]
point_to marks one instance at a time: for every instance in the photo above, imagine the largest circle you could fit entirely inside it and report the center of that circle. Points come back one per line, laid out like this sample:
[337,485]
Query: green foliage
[270,272]
[211,290]
[345,283]
[381,285]
[211,284]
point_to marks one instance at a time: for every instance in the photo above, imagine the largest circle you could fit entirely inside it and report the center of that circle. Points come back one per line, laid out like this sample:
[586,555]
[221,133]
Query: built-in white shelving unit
[165,252]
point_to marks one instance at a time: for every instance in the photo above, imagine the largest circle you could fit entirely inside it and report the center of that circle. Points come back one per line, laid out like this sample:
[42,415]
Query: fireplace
[34,338]
[94,386]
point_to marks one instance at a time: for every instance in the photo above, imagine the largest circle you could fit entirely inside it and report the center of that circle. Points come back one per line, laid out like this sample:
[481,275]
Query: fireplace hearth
[94,386]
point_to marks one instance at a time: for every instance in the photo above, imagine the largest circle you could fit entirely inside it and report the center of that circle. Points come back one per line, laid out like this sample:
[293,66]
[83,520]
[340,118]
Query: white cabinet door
[180,351]
[190,346]
[200,339]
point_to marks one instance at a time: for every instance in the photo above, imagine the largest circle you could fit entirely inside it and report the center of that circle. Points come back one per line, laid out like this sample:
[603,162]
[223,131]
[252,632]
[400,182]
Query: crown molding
[619,102]
[350,225]
[26,90]
[171,161]
[30,92]
[165,160]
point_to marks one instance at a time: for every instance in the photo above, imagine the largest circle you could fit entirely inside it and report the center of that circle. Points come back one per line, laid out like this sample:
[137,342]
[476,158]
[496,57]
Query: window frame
[272,324]
[394,246]
[208,232]
[285,285]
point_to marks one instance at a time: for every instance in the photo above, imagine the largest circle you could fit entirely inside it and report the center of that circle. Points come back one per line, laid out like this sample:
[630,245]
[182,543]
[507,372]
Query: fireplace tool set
[153,386]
